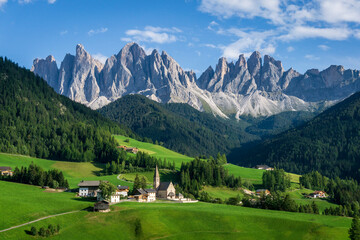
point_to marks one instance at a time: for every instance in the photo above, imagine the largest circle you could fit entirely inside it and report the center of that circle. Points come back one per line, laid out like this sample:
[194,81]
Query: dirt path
[37,220]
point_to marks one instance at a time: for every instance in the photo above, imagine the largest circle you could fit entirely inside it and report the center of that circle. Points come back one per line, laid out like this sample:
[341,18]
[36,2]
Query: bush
[138,228]
[33,231]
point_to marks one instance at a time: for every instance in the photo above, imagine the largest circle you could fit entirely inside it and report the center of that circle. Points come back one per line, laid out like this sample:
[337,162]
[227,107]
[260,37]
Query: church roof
[149,190]
[164,185]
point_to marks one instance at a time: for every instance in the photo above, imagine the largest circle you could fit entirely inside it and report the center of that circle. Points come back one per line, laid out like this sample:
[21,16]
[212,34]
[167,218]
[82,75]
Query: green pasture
[191,221]
[20,203]
[154,150]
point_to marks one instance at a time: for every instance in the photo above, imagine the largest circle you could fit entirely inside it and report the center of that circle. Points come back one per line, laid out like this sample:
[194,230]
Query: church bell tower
[156,178]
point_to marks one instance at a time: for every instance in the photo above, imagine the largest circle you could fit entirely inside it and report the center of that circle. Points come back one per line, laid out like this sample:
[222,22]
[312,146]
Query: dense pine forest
[36,121]
[191,133]
[329,144]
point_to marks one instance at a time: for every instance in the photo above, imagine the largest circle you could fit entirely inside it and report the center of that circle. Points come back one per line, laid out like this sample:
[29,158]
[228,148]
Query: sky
[196,33]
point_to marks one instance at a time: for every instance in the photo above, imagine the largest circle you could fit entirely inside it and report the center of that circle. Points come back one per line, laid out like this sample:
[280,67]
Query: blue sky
[302,34]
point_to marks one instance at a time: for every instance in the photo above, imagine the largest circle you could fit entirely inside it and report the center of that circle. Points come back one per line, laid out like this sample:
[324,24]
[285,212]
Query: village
[164,191]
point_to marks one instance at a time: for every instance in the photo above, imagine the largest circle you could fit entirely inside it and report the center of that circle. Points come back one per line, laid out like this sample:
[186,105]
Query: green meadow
[21,203]
[74,172]
[154,150]
[191,221]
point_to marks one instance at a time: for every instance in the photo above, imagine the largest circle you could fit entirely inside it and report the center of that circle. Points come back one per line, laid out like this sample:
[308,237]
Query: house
[123,190]
[164,190]
[132,150]
[262,191]
[6,171]
[102,206]
[129,149]
[88,188]
[317,194]
[115,198]
[264,167]
[145,195]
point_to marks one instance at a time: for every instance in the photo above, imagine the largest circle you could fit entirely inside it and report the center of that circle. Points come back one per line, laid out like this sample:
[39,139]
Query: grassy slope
[21,203]
[155,150]
[74,172]
[177,221]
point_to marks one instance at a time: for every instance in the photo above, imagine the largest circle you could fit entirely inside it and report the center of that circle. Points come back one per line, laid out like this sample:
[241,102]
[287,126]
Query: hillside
[192,221]
[184,129]
[192,133]
[36,121]
[329,144]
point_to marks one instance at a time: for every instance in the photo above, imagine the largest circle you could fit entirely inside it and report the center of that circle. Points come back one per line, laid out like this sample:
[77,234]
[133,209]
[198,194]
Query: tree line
[126,163]
[346,193]
[200,172]
[35,175]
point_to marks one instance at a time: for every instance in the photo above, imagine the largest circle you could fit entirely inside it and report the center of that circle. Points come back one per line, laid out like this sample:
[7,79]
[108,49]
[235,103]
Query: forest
[36,121]
[329,144]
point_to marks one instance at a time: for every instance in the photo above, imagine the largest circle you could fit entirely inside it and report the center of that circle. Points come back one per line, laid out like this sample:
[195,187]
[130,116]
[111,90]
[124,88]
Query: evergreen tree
[354,231]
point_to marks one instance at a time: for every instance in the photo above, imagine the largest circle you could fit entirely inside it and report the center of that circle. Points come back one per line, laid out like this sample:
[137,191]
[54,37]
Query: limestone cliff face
[253,87]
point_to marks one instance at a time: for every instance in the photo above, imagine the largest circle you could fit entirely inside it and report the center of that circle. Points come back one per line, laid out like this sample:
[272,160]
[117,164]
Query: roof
[141,191]
[262,166]
[102,205]
[5,168]
[89,183]
[149,190]
[164,185]
[262,190]
[123,187]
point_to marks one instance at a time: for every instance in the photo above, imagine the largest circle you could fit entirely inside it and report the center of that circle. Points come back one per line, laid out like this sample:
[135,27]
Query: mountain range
[250,86]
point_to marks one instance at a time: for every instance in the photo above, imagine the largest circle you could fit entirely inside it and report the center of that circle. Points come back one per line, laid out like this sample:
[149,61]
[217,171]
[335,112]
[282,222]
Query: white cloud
[290,19]
[2,2]
[290,49]
[97,31]
[247,43]
[339,11]
[148,51]
[25,1]
[269,9]
[51,1]
[62,33]
[324,47]
[101,58]
[302,32]
[311,57]
[152,34]
[198,53]
[210,45]
[357,34]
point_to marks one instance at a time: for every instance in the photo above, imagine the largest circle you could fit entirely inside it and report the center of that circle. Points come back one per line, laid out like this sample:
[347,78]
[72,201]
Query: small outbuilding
[6,171]
[102,206]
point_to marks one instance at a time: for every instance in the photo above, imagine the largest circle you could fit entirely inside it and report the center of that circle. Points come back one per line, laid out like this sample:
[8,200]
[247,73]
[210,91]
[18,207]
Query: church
[164,190]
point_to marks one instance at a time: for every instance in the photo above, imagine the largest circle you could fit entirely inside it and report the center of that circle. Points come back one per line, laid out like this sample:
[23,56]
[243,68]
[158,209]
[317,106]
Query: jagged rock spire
[156,178]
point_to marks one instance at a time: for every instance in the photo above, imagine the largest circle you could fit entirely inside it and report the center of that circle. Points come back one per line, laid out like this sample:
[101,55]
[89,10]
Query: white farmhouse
[88,188]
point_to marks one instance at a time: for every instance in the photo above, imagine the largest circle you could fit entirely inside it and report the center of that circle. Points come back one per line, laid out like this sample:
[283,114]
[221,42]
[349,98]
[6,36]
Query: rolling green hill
[192,133]
[191,221]
[154,150]
[329,144]
[36,121]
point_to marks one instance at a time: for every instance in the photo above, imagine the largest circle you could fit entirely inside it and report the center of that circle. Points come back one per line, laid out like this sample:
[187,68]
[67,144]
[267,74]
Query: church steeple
[156,178]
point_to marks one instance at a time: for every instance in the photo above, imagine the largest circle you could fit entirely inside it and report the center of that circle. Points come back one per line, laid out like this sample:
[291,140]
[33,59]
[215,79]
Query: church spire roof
[156,178]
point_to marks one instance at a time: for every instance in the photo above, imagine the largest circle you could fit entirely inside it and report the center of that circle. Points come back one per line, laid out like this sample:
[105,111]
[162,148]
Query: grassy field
[297,195]
[191,221]
[165,176]
[222,192]
[22,203]
[155,150]
[74,172]
[252,174]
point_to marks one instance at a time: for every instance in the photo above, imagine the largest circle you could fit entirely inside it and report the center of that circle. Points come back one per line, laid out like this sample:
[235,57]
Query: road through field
[37,220]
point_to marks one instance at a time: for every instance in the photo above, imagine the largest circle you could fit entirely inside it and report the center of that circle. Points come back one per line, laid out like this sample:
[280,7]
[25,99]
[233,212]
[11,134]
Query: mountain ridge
[256,86]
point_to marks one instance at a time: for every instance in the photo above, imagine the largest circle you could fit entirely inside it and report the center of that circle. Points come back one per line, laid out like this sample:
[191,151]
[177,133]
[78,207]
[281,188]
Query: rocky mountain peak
[254,64]
[241,62]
